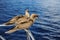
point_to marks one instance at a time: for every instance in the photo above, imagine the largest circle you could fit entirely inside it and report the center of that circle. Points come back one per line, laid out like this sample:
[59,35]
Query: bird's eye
[36,16]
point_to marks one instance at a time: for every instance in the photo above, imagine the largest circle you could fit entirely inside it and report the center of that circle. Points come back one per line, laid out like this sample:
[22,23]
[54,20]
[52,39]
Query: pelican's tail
[10,31]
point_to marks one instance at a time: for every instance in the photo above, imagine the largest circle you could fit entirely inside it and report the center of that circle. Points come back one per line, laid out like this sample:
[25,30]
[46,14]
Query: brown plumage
[18,18]
[23,23]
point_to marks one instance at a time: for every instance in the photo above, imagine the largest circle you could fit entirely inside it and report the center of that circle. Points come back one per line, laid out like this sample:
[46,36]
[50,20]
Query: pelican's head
[34,16]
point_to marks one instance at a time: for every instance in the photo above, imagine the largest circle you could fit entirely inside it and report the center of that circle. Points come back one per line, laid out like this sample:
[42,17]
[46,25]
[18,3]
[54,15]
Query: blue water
[48,26]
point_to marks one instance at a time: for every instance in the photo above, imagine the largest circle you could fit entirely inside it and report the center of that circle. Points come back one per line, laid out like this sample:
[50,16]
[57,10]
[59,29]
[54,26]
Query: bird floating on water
[22,22]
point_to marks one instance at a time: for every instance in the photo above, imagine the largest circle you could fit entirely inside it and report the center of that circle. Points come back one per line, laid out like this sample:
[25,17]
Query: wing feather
[13,20]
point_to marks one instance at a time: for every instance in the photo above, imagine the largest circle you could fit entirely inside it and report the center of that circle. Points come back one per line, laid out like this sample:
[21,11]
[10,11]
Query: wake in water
[5,25]
[29,34]
[2,38]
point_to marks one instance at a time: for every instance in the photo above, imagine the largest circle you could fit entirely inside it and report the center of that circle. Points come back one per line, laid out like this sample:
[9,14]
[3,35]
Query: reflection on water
[48,28]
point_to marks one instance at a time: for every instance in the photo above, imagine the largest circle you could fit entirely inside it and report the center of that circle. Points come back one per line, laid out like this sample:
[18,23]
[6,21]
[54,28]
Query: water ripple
[46,27]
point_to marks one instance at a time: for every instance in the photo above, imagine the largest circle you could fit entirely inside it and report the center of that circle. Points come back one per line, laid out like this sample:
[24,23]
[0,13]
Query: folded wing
[13,20]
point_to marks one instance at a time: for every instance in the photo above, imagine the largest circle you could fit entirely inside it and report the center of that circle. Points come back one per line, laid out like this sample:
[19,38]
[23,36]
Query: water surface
[48,28]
